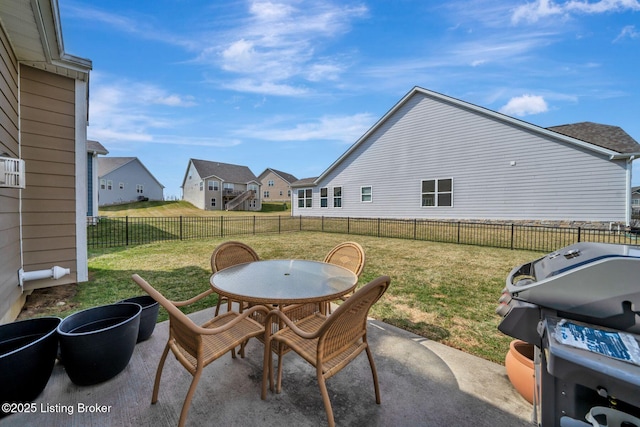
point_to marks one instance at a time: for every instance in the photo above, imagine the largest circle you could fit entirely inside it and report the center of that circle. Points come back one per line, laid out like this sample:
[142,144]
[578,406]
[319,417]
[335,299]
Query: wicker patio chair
[349,255]
[197,346]
[228,254]
[329,343]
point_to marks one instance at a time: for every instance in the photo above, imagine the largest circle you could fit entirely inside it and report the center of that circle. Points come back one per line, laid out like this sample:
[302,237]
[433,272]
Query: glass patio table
[284,282]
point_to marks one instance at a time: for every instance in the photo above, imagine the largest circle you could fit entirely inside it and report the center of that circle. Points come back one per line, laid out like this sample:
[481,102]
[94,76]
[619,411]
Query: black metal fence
[124,231]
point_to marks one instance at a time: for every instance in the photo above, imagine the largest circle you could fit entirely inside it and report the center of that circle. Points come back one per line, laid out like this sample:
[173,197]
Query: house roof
[285,176]
[304,181]
[225,171]
[95,147]
[611,137]
[36,37]
[106,165]
[606,145]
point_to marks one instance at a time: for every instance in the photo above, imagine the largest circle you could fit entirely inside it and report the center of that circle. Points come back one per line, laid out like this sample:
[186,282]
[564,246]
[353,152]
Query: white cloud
[525,105]
[346,129]
[282,41]
[628,32]
[540,9]
[124,111]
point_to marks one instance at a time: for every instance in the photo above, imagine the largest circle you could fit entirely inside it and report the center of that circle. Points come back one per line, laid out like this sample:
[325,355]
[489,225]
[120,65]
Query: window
[365,194]
[635,202]
[270,183]
[103,184]
[121,185]
[109,184]
[437,192]
[288,193]
[265,194]
[324,192]
[139,188]
[201,185]
[228,187]
[214,185]
[213,202]
[281,192]
[304,198]
[337,197]
[253,187]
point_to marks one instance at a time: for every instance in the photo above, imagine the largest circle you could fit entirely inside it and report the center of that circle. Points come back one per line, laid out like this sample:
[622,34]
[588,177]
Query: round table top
[284,281]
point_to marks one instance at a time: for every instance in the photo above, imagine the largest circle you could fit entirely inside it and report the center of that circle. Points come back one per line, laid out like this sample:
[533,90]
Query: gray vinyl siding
[191,188]
[429,139]
[131,175]
[9,202]
[48,147]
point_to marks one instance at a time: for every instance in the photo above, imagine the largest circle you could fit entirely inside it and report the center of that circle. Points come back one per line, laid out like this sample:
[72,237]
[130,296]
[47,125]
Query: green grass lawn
[182,208]
[444,292]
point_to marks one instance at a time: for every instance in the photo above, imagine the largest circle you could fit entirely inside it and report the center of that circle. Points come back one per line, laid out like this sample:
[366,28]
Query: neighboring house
[94,148]
[125,180]
[276,185]
[44,99]
[635,200]
[221,186]
[436,157]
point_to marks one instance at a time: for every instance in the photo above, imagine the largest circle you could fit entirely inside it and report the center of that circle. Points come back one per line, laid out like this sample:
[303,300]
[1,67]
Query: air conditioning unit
[11,173]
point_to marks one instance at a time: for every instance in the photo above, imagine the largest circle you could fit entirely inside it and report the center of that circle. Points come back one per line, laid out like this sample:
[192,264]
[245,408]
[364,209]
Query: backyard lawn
[444,292]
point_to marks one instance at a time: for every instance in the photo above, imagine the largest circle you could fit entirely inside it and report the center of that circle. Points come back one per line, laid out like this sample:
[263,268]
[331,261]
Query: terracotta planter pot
[519,365]
[28,351]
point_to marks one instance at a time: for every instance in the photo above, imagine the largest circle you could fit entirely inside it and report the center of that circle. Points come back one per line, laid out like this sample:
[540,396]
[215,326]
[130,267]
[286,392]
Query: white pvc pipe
[54,272]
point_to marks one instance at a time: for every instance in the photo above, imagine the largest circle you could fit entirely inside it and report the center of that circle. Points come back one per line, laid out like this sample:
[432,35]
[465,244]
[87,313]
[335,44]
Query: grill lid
[586,279]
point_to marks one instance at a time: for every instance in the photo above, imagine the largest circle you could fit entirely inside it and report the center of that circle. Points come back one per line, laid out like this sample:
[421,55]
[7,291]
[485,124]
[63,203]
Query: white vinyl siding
[500,170]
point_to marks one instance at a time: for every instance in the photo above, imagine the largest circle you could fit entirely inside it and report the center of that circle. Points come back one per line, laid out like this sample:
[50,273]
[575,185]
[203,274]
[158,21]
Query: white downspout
[628,209]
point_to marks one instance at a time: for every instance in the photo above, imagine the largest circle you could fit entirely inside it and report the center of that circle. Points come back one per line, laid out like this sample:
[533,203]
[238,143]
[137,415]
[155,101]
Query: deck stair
[235,202]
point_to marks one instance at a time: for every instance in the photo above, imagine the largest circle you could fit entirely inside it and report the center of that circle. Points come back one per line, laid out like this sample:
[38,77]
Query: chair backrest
[348,323]
[182,327]
[349,255]
[231,253]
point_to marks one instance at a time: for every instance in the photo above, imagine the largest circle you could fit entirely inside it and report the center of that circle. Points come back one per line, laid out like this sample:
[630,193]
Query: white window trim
[436,193]
[370,194]
[305,198]
[333,196]
[326,198]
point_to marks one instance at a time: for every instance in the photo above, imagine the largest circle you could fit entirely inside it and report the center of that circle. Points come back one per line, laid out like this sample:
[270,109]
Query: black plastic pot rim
[31,343]
[127,319]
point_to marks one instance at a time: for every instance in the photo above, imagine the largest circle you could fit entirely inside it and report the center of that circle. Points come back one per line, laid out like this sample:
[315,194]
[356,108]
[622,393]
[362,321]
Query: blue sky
[291,84]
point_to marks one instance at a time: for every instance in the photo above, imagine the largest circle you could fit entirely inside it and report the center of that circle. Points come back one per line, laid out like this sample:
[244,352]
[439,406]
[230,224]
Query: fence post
[458,231]
[348,225]
[254,225]
[378,227]
[579,232]
[322,223]
[181,232]
[126,230]
[221,226]
[512,234]
[279,225]
[415,229]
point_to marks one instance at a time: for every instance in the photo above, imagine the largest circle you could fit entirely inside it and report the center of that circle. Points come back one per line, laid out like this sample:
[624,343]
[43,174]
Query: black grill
[590,284]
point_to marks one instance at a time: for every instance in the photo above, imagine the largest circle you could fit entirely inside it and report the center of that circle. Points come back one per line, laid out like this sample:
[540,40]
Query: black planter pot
[28,351]
[148,317]
[96,344]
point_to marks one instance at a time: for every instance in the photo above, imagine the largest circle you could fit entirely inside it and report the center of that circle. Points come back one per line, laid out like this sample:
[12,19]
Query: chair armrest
[239,317]
[289,324]
[192,300]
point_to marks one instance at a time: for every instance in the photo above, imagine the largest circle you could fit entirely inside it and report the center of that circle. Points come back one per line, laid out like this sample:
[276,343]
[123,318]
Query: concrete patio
[422,383]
